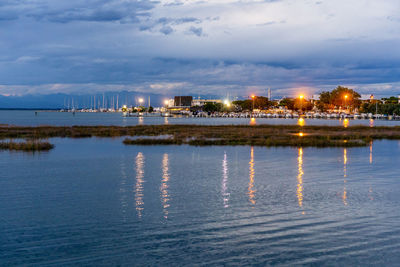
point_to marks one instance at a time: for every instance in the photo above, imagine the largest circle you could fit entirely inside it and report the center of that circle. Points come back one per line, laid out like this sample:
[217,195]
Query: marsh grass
[26,146]
[147,141]
[206,135]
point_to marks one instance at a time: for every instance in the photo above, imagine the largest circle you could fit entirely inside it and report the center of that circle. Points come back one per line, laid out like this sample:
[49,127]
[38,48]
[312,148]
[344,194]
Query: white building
[169,103]
[201,102]
[365,97]
[315,97]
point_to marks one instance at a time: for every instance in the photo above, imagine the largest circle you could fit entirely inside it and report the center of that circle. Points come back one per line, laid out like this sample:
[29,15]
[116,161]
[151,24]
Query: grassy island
[206,135]
[26,146]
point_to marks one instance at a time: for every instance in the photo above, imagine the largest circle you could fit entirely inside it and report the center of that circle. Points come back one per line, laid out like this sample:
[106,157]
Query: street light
[345,100]
[141,100]
[253,97]
[166,102]
[301,102]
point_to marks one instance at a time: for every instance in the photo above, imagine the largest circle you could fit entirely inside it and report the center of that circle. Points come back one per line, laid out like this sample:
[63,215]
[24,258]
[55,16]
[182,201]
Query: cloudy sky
[199,47]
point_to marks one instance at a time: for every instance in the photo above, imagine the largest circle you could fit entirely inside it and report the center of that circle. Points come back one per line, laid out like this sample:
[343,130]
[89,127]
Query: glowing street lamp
[166,102]
[345,100]
[141,100]
[253,97]
[301,102]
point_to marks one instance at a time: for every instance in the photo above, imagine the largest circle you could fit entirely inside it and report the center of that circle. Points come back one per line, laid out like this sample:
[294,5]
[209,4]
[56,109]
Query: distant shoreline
[33,109]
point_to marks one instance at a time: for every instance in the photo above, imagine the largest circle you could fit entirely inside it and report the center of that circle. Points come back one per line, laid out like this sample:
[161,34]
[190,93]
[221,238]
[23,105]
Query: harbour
[199,133]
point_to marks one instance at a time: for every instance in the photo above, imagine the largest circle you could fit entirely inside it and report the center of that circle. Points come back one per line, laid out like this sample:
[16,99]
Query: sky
[220,47]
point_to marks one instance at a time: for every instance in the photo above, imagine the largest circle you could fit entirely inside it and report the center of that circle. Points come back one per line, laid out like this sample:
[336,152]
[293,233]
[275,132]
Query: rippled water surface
[29,118]
[98,202]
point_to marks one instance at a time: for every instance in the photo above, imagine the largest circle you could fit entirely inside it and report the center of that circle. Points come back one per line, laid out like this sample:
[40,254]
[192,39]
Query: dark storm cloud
[198,31]
[79,10]
[195,47]
[177,21]
[166,30]
[165,24]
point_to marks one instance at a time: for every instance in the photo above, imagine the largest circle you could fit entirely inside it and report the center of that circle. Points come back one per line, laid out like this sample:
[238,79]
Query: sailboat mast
[117,102]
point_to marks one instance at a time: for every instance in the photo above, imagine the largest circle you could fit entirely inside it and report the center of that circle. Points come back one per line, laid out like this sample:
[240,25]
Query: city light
[301,122]
[346,96]
[301,134]
[301,96]
[141,100]
[253,97]
[346,123]
[226,102]
[166,102]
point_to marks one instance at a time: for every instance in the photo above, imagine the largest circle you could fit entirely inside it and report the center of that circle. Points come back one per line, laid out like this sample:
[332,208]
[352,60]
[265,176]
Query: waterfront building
[201,102]
[183,101]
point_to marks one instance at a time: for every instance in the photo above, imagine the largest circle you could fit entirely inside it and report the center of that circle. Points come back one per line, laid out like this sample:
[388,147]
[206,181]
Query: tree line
[340,97]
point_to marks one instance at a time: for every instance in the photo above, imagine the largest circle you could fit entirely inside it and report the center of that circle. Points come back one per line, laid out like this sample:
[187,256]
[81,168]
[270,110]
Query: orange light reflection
[370,152]
[371,123]
[346,123]
[300,178]
[251,189]
[301,122]
[344,196]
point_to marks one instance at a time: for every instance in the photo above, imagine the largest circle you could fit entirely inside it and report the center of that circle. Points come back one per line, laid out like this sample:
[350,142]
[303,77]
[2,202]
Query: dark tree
[302,104]
[338,97]
[212,107]
[287,102]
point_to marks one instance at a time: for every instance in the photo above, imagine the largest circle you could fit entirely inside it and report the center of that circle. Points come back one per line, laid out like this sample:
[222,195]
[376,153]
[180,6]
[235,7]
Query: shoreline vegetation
[27,146]
[206,135]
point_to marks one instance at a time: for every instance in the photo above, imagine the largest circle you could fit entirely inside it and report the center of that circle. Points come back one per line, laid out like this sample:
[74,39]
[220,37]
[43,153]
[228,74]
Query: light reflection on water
[301,122]
[139,184]
[164,185]
[300,178]
[140,120]
[160,201]
[25,118]
[123,191]
[371,123]
[251,188]
[344,196]
[370,152]
[346,123]
[224,190]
